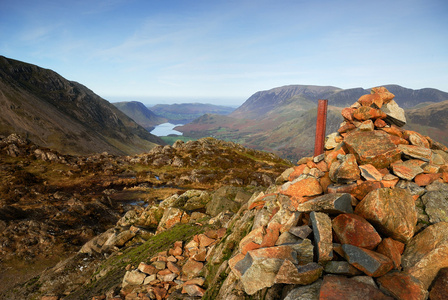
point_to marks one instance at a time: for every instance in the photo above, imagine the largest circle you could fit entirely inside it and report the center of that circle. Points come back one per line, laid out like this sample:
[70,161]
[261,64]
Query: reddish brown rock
[372,263]
[364,188]
[425,179]
[391,211]
[345,127]
[298,170]
[305,187]
[439,289]
[345,169]
[147,269]
[343,288]
[398,141]
[373,100]
[365,113]
[370,173]
[427,253]
[385,95]
[347,113]
[192,268]
[355,230]
[159,292]
[272,234]
[205,241]
[255,236]
[392,249]
[173,267]
[391,183]
[379,123]
[249,247]
[407,169]
[303,275]
[403,286]
[233,263]
[372,147]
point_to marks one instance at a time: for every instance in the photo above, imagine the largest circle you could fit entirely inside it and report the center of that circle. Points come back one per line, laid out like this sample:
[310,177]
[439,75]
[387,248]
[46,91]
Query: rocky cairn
[366,219]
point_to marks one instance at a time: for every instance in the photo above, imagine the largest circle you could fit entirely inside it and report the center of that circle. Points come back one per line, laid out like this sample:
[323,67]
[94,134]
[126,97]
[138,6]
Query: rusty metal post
[321,123]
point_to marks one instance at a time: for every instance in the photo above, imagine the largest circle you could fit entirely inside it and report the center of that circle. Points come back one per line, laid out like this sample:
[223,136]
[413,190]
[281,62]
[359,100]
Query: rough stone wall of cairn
[359,219]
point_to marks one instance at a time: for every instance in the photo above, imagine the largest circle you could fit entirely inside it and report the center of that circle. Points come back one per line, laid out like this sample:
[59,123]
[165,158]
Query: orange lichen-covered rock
[372,147]
[371,100]
[365,113]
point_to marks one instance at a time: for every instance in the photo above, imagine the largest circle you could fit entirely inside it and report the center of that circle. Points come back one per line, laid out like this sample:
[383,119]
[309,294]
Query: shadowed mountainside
[140,114]
[64,115]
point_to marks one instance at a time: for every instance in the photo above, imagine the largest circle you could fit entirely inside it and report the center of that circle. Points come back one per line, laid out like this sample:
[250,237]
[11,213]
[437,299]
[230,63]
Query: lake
[166,129]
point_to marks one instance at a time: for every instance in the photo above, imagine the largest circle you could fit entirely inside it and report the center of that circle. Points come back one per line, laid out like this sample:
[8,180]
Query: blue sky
[163,51]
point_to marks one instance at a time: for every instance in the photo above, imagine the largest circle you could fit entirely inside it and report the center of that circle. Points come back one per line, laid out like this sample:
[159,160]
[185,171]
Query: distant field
[171,139]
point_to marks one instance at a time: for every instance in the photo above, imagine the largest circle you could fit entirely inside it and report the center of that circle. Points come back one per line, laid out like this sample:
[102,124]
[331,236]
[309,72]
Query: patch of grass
[116,264]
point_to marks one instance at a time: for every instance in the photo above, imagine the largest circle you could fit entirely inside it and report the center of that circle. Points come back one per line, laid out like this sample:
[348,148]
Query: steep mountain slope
[262,102]
[64,115]
[187,112]
[138,112]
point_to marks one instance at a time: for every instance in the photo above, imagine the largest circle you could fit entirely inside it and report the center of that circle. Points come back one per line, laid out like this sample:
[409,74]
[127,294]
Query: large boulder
[427,253]
[343,288]
[391,211]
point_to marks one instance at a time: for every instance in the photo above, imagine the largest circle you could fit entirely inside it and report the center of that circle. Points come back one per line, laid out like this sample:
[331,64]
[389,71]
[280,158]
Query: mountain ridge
[262,102]
[65,115]
[286,126]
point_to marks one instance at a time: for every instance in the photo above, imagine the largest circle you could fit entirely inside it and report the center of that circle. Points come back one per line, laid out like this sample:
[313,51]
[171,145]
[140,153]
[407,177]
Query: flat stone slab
[370,262]
[329,203]
[418,152]
[372,147]
[323,238]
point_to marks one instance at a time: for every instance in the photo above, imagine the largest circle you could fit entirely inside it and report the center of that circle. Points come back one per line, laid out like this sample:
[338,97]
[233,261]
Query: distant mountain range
[283,119]
[64,115]
[186,112]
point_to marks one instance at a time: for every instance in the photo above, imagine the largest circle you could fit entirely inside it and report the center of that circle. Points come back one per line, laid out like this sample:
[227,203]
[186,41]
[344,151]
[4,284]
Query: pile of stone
[366,219]
[177,270]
